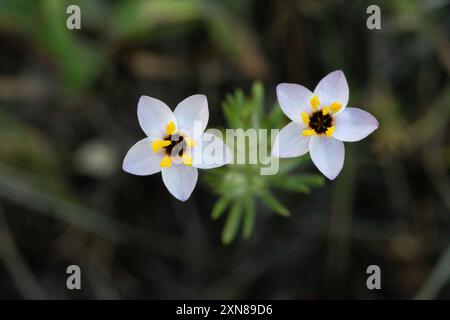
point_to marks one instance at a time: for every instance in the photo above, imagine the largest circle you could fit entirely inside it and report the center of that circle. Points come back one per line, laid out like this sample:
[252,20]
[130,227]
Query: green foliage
[44,23]
[24,149]
[139,18]
[80,60]
[241,187]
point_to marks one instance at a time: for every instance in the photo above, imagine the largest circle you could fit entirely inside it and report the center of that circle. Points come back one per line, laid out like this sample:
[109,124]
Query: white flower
[321,122]
[174,144]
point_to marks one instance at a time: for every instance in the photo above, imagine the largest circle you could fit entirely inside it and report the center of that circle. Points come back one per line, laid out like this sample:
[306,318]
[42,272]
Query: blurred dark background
[68,102]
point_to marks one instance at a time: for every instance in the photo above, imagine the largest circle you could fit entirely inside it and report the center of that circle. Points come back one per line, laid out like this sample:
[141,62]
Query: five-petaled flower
[175,144]
[321,122]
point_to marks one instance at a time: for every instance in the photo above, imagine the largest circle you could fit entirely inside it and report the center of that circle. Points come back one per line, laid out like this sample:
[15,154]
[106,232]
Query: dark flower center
[320,122]
[176,145]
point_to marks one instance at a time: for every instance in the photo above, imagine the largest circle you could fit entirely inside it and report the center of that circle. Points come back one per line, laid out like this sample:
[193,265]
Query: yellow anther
[305,118]
[335,107]
[166,162]
[330,131]
[170,128]
[325,110]
[189,142]
[158,144]
[308,132]
[187,160]
[315,102]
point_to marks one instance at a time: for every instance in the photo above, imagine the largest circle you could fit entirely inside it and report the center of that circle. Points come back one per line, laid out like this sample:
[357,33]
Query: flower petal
[192,115]
[290,142]
[328,155]
[353,124]
[153,116]
[294,99]
[180,180]
[141,160]
[210,152]
[333,88]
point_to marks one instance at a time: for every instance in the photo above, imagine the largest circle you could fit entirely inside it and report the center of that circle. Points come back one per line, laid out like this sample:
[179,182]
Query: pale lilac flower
[320,123]
[175,144]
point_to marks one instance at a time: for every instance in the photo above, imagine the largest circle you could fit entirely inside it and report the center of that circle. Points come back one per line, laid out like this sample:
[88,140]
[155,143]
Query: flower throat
[320,122]
[176,142]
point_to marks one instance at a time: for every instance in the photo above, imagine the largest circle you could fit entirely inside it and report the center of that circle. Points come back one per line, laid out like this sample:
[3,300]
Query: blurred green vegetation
[80,62]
